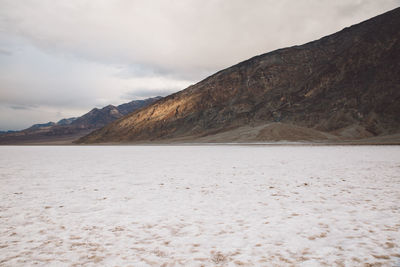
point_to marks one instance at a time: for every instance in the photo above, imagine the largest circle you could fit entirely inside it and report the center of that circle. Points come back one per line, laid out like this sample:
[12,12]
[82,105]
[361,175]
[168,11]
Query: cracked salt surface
[200,206]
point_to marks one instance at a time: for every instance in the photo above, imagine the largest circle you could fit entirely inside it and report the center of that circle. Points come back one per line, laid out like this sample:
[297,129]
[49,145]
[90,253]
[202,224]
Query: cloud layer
[72,55]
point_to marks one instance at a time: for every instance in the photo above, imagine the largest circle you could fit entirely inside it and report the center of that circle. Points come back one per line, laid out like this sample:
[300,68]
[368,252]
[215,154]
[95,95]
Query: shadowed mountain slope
[346,84]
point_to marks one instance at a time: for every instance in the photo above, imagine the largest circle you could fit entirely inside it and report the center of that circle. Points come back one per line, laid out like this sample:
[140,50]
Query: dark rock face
[74,127]
[127,108]
[97,118]
[42,125]
[66,121]
[7,132]
[350,79]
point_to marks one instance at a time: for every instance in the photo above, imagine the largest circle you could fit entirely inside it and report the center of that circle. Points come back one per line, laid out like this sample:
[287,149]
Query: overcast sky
[62,58]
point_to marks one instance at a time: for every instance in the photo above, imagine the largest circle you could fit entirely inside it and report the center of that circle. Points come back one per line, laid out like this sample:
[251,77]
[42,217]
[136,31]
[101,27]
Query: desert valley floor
[221,205]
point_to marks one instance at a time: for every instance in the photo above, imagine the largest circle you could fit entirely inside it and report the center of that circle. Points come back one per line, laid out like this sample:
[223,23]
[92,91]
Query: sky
[60,59]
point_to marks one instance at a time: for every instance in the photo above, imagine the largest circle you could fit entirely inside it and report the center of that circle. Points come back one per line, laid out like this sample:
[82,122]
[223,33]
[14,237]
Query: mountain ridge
[74,127]
[345,84]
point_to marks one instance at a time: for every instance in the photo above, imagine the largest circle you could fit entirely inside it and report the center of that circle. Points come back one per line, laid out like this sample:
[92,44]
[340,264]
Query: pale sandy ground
[200,206]
[283,132]
[275,132]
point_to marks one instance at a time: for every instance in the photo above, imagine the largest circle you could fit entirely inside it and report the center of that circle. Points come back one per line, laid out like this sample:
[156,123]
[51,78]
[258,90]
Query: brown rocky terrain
[67,130]
[345,86]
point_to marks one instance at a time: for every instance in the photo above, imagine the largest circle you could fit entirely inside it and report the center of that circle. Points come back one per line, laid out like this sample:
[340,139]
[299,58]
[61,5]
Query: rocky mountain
[41,125]
[97,118]
[345,86]
[6,132]
[127,108]
[66,121]
[73,128]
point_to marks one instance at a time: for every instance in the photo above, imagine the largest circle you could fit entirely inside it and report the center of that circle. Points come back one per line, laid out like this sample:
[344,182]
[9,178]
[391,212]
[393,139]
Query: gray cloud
[22,107]
[67,56]
[5,52]
[180,37]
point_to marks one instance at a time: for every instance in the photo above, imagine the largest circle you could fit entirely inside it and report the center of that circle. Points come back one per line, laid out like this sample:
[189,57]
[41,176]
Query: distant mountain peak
[73,128]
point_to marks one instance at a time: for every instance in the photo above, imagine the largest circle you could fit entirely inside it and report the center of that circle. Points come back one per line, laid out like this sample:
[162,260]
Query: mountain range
[69,129]
[345,86]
